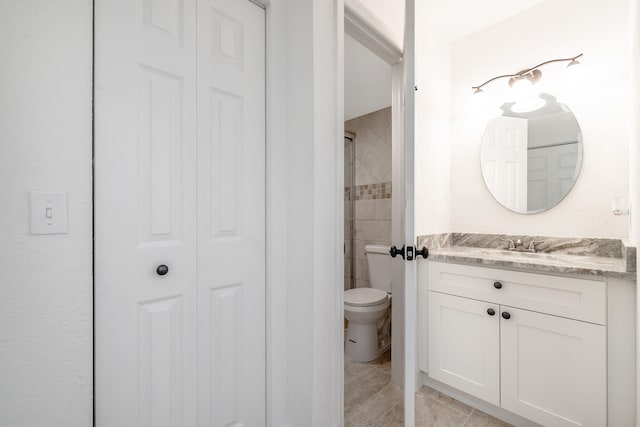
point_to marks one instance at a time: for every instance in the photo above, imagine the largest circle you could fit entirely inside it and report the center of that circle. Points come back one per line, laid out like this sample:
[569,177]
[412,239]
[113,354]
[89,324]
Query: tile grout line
[447,404]
[390,409]
[381,369]
[362,374]
[468,417]
[357,416]
[432,396]
[370,399]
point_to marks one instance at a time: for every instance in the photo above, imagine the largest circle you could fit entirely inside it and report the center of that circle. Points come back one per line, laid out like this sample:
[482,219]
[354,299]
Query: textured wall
[373,187]
[45,144]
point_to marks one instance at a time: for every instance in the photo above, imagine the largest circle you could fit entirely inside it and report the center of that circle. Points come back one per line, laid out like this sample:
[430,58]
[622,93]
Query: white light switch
[48,212]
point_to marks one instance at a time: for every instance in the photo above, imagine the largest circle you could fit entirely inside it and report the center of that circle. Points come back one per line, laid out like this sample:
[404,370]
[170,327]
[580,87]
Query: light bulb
[480,101]
[573,75]
[522,89]
[484,106]
[573,63]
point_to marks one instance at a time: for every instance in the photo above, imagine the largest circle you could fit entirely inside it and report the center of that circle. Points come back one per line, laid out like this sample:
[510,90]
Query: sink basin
[523,256]
[543,256]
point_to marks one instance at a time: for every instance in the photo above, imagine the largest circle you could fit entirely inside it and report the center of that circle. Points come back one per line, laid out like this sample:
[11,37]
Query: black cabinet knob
[491,311]
[497,285]
[506,315]
[162,270]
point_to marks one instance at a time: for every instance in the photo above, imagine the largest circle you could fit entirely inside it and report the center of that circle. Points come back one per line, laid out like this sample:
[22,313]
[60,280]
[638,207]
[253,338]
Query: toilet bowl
[368,310]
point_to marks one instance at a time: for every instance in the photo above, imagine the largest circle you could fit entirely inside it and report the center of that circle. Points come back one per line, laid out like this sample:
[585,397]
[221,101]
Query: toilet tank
[379,262]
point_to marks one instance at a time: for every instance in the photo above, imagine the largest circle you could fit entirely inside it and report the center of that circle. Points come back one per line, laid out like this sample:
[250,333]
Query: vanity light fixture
[523,81]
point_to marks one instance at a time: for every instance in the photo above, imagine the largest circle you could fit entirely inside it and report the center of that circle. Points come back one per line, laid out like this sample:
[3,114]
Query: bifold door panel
[179,216]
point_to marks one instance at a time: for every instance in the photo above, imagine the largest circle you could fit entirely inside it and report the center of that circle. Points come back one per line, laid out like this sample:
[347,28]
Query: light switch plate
[48,212]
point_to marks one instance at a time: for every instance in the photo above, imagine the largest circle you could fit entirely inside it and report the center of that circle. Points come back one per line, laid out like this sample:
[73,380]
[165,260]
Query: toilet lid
[364,297]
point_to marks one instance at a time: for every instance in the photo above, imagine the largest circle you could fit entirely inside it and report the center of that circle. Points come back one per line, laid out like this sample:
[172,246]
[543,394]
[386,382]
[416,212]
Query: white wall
[454,19]
[367,80]
[328,214]
[45,144]
[550,30]
[277,316]
[305,187]
[299,264]
[432,125]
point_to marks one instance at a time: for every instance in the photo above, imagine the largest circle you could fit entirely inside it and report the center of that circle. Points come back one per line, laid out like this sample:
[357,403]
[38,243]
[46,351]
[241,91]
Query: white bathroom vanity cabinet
[554,350]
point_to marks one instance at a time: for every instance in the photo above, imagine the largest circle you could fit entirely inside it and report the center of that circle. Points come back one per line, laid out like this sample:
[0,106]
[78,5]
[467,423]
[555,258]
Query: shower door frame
[352,208]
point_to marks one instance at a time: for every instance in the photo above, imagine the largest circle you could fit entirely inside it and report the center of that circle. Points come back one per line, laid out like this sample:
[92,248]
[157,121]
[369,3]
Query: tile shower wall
[372,216]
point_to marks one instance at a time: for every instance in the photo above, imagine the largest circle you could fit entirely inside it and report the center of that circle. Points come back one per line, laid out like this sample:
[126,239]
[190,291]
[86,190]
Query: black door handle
[491,311]
[506,315]
[497,285]
[395,252]
[408,252]
[162,270]
[424,252]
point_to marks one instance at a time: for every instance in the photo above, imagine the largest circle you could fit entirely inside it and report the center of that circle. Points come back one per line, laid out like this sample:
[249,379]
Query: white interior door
[231,213]
[504,161]
[179,182]
[145,114]
[407,174]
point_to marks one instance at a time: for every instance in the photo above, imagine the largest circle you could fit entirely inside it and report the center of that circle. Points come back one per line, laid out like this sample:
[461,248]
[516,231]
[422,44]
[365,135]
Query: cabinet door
[464,347]
[553,369]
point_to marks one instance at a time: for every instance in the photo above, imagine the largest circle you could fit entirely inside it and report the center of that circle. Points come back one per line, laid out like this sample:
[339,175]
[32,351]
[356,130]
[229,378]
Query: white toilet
[368,310]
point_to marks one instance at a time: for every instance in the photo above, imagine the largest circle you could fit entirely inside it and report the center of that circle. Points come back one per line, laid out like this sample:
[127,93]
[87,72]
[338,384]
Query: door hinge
[409,252]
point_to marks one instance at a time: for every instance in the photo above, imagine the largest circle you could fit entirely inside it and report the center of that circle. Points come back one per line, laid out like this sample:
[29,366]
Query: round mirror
[531,155]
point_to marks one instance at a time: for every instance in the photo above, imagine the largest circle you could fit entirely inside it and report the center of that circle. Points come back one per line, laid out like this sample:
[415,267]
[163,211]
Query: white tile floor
[371,400]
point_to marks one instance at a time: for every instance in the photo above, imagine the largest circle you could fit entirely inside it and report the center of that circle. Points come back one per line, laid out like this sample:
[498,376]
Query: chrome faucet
[511,244]
[519,246]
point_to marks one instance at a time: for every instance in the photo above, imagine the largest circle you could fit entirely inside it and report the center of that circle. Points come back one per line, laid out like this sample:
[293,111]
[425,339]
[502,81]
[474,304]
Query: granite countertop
[593,257]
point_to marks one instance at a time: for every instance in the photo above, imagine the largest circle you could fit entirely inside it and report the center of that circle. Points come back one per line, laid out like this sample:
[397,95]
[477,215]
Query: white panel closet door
[180,166]
[145,189]
[231,213]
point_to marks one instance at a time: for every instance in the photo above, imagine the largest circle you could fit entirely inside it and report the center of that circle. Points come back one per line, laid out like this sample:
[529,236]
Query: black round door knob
[162,270]
[497,285]
[491,311]
[506,315]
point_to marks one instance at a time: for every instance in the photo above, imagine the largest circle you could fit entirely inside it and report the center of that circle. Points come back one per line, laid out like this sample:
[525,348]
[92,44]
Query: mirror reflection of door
[530,160]
[551,171]
[504,161]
